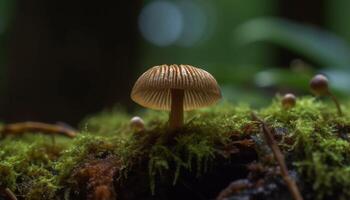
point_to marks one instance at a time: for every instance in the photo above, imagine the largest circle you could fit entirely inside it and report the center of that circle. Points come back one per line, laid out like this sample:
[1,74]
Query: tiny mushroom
[319,86]
[137,123]
[288,100]
[177,88]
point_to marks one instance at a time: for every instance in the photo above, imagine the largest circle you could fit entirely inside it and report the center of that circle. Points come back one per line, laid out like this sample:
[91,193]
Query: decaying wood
[293,188]
[95,179]
[25,127]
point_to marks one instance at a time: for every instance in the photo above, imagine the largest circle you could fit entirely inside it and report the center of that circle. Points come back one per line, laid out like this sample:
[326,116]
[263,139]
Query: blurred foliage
[213,48]
[321,47]
[239,49]
[337,17]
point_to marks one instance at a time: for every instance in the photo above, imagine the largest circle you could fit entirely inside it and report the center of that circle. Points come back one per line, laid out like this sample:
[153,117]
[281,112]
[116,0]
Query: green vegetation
[314,141]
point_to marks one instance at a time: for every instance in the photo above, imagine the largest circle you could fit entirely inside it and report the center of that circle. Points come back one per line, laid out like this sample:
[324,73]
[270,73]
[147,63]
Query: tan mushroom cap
[152,89]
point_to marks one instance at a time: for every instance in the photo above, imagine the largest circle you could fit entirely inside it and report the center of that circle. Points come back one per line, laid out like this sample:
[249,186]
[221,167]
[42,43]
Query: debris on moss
[312,136]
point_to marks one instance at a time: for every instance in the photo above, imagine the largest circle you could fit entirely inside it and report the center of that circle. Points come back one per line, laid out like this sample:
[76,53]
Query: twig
[293,188]
[8,194]
[24,127]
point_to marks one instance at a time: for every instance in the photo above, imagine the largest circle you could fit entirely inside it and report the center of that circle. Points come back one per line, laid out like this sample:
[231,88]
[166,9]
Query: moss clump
[27,166]
[311,134]
[319,146]
[8,175]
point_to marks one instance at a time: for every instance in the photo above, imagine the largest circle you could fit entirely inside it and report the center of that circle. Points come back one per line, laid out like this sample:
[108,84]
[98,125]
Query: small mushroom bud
[288,100]
[137,123]
[319,86]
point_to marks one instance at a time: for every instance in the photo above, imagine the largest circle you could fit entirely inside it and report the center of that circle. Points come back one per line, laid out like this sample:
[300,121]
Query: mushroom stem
[336,102]
[176,117]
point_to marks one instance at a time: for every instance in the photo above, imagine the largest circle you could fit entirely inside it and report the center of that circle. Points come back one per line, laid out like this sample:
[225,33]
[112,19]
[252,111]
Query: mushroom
[288,100]
[137,123]
[177,88]
[319,86]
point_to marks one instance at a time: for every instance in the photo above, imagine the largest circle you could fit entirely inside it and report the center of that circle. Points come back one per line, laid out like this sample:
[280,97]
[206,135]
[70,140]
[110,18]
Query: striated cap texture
[152,89]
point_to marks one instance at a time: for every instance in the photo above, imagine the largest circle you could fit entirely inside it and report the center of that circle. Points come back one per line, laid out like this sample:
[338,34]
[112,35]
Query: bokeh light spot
[161,23]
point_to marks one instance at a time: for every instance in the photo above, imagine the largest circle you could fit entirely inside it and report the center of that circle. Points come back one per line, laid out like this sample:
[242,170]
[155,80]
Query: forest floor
[220,153]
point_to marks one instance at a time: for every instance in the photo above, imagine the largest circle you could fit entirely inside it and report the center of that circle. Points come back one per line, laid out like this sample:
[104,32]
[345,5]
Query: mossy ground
[313,138]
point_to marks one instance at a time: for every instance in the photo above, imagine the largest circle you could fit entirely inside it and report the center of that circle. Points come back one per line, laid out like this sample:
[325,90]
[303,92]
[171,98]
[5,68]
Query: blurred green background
[61,60]
[257,48]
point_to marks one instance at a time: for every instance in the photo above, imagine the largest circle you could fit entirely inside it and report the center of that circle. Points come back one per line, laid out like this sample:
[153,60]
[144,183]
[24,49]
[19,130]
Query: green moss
[84,147]
[26,166]
[320,153]
[312,138]
[8,175]
[106,122]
